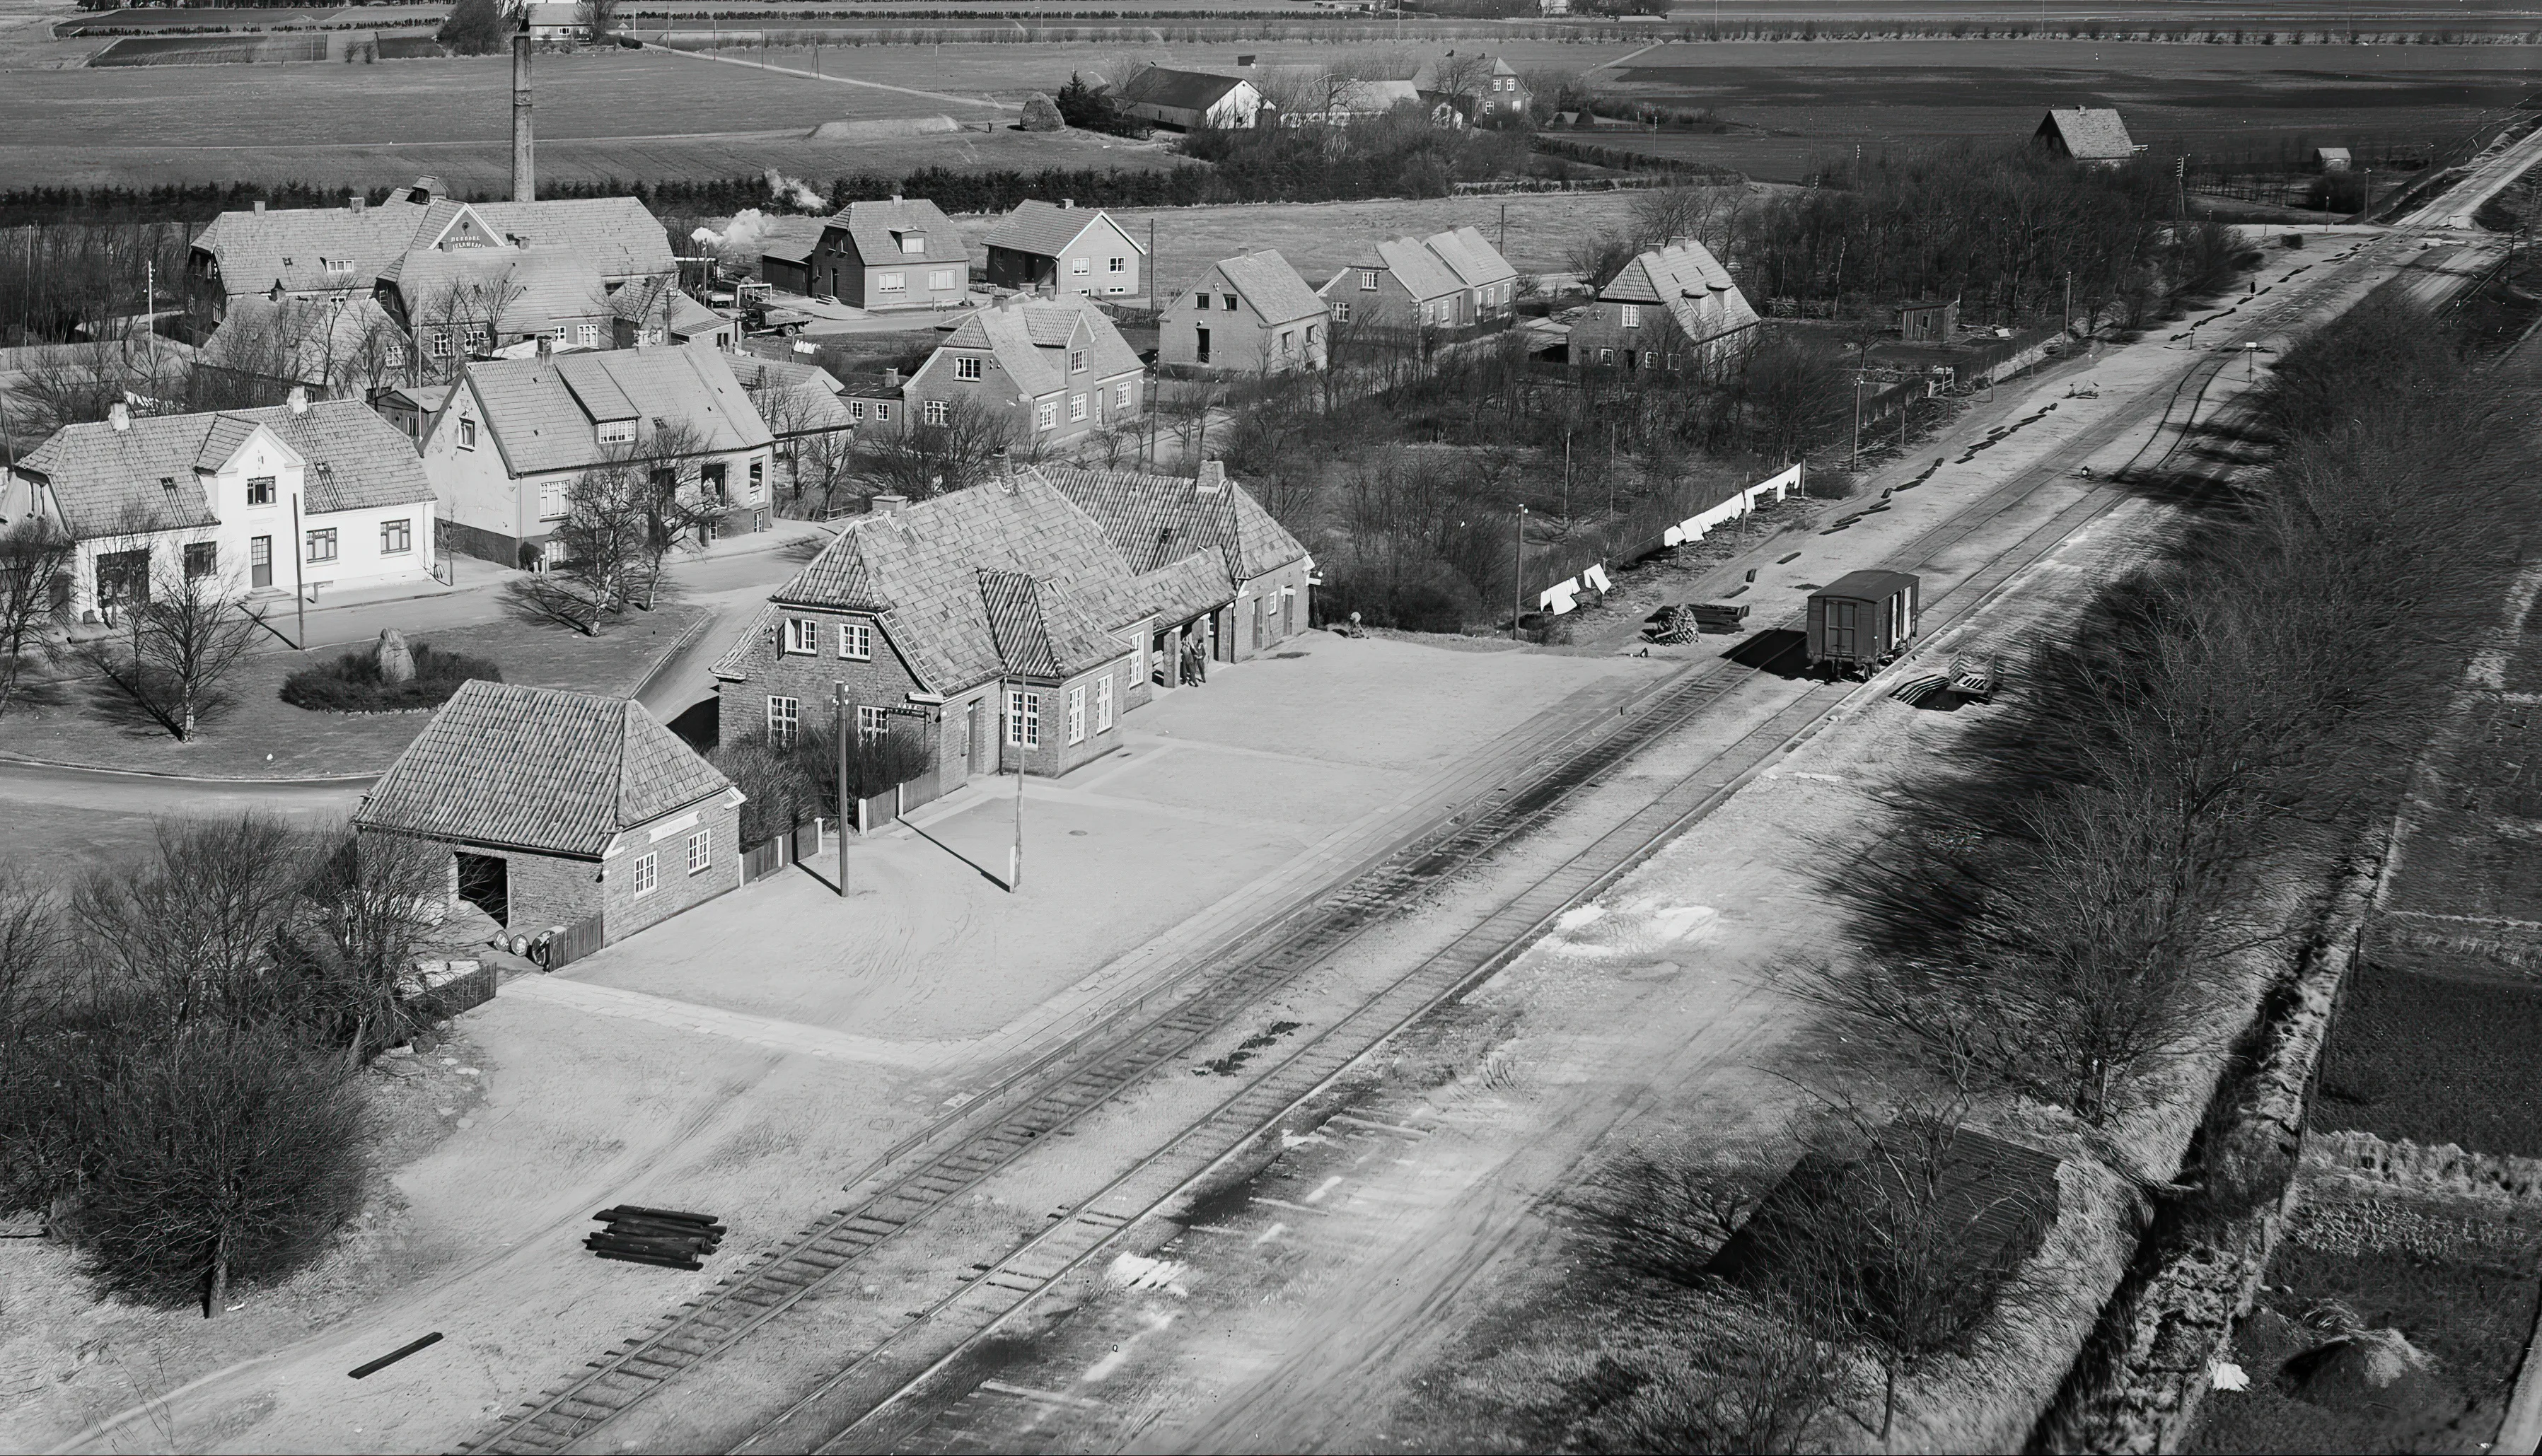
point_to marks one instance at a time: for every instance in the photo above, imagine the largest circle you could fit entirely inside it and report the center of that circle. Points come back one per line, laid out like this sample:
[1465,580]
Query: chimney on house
[259,204]
[298,399]
[355,201]
[525,186]
[547,348]
[119,415]
[1213,477]
[888,505]
[892,378]
[1005,465]
[1068,202]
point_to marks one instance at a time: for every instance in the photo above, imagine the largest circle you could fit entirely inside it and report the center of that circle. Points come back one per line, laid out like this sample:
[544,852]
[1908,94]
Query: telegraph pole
[1016,856]
[847,794]
[1518,571]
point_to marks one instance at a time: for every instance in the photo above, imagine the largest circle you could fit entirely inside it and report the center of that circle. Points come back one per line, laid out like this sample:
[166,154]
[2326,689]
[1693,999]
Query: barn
[2096,135]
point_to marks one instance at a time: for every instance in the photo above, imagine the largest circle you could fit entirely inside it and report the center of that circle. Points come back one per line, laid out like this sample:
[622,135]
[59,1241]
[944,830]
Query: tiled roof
[307,341]
[541,413]
[878,228]
[1416,267]
[690,318]
[924,569]
[1274,288]
[1691,283]
[616,235]
[1374,96]
[107,480]
[1032,338]
[792,398]
[537,769]
[2090,133]
[1154,521]
[1043,229]
[535,288]
[1471,256]
[1191,91]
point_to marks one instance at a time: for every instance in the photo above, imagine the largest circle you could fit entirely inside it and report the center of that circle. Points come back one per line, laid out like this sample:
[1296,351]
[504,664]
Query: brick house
[1056,369]
[1396,285]
[1005,629]
[1671,308]
[295,497]
[514,434]
[1250,313]
[1064,249]
[904,254]
[1490,282]
[559,807]
[1491,93]
[464,304]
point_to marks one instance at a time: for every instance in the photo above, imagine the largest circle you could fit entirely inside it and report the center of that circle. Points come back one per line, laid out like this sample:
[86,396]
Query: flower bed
[350,684]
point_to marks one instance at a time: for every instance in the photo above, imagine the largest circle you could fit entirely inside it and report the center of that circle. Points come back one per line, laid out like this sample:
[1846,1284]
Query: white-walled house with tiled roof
[1671,308]
[1055,369]
[303,497]
[1250,314]
[1396,283]
[1059,248]
[514,434]
[1491,281]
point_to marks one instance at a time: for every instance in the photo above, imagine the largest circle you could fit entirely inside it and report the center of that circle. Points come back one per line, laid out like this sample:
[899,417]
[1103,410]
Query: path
[934,96]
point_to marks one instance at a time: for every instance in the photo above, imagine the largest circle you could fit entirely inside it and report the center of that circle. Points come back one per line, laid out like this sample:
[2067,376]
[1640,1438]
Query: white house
[1192,100]
[295,497]
[1250,313]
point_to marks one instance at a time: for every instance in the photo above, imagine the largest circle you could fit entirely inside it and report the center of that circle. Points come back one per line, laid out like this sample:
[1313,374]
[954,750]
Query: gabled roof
[541,413]
[793,238]
[535,287]
[2089,134]
[107,480]
[1158,521]
[537,769]
[1691,283]
[794,399]
[690,318]
[1471,256]
[307,341]
[1032,338]
[879,229]
[1422,272]
[1265,280]
[1045,229]
[940,575]
[1191,91]
[616,235]
[1374,97]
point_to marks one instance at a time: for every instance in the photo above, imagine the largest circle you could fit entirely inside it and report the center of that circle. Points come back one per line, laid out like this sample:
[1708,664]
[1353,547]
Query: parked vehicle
[1860,621]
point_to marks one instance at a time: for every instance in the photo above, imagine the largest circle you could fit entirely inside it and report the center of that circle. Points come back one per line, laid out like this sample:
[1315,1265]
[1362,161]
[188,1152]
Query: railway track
[937,1168]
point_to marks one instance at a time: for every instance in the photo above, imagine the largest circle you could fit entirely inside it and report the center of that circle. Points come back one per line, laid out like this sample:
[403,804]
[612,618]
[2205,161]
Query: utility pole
[1566,478]
[1502,246]
[1861,361]
[2069,300]
[1151,264]
[1016,856]
[1518,571]
[846,792]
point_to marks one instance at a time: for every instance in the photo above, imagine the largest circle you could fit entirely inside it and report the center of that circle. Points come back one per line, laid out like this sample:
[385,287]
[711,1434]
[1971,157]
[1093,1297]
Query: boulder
[1041,114]
[395,659]
[2373,1371]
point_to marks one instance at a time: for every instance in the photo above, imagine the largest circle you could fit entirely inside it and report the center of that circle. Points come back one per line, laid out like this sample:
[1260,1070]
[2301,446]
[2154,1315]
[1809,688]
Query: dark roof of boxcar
[1867,585]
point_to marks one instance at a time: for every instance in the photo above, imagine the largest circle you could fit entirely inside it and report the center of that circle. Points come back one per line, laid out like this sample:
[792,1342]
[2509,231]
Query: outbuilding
[561,809]
[1861,620]
[1929,320]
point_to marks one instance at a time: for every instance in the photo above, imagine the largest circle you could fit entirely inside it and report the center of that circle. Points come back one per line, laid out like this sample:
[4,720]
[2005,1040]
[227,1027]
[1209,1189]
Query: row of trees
[180,1039]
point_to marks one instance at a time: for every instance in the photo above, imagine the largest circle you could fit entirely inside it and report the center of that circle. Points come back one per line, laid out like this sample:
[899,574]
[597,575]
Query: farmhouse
[1250,313]
[561,809]
[1192,100]
[1006,628]
[1671,308]
[1063,248]
[319,252]
[555,21]
[1396,285]
[2092,134]
[1051,369]
[1486,88]
[159,500]
[904,254]
[507,446]
[1350,100]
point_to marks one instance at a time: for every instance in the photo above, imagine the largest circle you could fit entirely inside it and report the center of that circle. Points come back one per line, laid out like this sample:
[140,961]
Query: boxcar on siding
[1862,619]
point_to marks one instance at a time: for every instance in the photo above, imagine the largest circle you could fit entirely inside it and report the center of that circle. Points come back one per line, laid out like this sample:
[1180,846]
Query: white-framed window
[1076,713]
[648,875]
[785,716]
[552,500]
[1077,361]
[617,431]
[966,366]
[940,280]
[1104,703]
[440,343]
[1311,330]
[891,284]
[1076,407]
[1047,415]
[872,723]
[1287,341]
[802,635]
[558,335]
[1116,265]
[475,338]
[915,243]
[588,335]
[260,490]
[701,852]
[939,411]
[856,409]
[882,412]
[397,536]
[1121,393]
[1081,266]
[1023,720]
[397,356]
[1368,280]
[855,641]
[1629,315]
[321,543]
[1606,357]
[466,434]
[1341,310]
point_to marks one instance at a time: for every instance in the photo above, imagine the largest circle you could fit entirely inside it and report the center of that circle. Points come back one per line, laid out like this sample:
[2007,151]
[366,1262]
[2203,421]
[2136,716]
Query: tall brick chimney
[525,184]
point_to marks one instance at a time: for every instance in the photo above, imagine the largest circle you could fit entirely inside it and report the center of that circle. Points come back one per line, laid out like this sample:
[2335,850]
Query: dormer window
[1077,361]
[912,243]
[617,432]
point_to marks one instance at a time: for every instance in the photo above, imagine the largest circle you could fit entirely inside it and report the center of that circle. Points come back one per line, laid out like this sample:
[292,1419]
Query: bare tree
[366,912]
[926,457]
[1460,78]
[36,558]
[189,930]
[598,18]
[178,633]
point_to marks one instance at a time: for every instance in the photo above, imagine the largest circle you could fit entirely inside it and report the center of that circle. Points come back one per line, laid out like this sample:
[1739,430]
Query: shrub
[352,682]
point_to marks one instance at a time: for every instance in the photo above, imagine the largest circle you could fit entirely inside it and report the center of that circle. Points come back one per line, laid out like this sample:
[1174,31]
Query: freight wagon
[1861,620]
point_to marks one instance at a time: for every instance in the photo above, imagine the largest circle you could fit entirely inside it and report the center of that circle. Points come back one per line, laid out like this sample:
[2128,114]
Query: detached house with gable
[2096,136]
[1063,248]
[296,497]
[1251,312]
[1671,308]
[507,445]
[1055,369]
[1192,100]
[904,254]
[1397,284]
[1007,627]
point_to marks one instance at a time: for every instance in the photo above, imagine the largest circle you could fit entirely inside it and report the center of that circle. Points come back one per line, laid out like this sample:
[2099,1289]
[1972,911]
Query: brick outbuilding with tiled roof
[2093,135]
[1008,626]
[561,807]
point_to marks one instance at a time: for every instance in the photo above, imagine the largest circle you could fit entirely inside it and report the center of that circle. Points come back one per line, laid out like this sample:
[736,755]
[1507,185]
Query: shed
[1862,619]
[2332,159]
[1928,321]
[2094,134]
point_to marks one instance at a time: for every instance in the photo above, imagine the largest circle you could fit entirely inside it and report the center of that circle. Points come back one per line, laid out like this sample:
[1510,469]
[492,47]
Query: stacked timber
[657,1236]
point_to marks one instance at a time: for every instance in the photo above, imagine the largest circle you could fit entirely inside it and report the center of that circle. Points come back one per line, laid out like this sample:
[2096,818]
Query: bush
[352,682]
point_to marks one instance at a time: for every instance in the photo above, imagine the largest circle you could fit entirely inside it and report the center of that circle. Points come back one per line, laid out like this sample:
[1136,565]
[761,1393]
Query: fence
[760,860]
[1564,594]
[441,989]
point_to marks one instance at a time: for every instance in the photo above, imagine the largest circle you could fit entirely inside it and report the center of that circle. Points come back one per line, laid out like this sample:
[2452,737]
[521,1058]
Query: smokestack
[525,186]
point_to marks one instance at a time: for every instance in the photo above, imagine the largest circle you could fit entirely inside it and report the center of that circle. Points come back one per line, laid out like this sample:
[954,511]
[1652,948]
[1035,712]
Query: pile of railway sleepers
[1681,624]
[660,1236]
